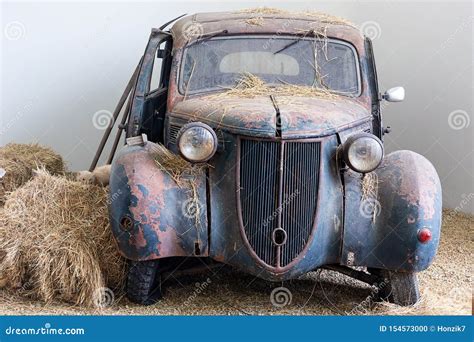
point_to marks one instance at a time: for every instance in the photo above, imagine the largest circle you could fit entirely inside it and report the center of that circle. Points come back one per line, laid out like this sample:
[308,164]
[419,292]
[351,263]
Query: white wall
[63,62]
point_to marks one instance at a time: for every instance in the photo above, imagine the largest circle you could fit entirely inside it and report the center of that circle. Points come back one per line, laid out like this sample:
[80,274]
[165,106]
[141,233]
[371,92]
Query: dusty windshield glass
[220,62]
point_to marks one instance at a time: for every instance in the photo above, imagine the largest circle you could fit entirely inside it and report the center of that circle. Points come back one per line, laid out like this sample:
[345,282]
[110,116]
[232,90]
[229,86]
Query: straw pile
[56,241]
[183,173]
[175,166]
[172,164]
[320,17]
[250,86]
[19,161]
[255,21]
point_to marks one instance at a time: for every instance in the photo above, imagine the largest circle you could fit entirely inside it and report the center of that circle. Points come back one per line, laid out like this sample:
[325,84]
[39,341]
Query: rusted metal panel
[409,199]
[161,223]
[280,24]
[301,116]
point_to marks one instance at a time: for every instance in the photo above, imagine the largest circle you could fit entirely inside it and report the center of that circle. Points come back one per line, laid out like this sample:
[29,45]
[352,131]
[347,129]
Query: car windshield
[219,63]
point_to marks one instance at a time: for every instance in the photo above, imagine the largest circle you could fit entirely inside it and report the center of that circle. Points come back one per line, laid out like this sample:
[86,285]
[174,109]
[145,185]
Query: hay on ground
[57,242]
[250,86]
[19,161]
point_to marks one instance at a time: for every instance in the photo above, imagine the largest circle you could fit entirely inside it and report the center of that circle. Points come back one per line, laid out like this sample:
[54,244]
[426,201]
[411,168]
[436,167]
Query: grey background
[63,62]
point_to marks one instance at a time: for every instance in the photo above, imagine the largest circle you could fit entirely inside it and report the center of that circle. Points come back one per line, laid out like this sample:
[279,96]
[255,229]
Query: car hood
[299,116]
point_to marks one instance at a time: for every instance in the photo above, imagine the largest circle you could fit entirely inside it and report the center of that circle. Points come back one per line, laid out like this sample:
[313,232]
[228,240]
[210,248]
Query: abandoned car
[257,142]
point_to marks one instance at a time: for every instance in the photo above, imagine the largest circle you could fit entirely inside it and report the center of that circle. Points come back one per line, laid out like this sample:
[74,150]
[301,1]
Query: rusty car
[282,181]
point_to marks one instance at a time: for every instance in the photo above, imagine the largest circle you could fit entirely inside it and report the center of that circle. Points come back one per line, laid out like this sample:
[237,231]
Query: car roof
[261,21]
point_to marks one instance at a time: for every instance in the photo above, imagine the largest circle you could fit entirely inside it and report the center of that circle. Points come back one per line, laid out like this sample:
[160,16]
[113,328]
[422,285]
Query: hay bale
[57,241]
[18,162]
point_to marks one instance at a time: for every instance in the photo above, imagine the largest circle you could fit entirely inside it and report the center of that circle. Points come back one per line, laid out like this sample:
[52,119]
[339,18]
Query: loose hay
[170,163]
[263,10]
[57,241]
[256,21]
[323,18]
[250,86]
[19,161]
[183,174]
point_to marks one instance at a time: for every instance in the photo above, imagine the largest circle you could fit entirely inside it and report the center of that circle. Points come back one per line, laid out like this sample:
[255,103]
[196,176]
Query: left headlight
[363,152]
[197,142]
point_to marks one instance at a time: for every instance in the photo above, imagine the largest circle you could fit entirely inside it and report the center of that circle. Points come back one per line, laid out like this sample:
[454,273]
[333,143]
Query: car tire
[400,288]
[143,282]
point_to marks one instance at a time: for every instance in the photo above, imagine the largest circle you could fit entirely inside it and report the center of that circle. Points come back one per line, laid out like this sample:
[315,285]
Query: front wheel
[143,282]
[400,288]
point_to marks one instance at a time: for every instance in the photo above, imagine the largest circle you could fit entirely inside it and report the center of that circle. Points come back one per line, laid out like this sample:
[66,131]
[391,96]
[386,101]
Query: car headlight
[197,142]
[363,152]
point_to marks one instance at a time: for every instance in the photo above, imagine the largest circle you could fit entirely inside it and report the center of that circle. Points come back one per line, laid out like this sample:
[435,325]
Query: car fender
[382,231]
[151,215]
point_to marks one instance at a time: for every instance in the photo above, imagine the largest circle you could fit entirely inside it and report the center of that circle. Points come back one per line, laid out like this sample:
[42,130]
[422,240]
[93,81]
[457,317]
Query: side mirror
[396,94]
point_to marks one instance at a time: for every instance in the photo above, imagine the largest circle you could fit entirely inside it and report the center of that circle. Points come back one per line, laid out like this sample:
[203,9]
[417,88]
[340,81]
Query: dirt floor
[446,287]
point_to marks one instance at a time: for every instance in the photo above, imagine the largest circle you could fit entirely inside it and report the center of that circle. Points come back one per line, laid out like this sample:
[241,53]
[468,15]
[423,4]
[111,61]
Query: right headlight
[363,152]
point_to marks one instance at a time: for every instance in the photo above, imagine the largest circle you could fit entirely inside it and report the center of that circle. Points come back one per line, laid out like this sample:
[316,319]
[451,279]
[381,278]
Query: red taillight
[424,235]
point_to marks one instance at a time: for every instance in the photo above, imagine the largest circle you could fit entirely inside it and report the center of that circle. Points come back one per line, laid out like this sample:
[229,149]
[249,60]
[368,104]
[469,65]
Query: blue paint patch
[153,208]
[143,190]
[133,200]
[152,241]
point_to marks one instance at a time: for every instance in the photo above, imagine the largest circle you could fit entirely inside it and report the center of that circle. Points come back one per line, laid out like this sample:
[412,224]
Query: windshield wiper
[294,42]
[211,35]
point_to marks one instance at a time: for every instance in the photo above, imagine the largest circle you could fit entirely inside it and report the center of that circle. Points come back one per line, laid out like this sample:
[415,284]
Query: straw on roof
[321,17]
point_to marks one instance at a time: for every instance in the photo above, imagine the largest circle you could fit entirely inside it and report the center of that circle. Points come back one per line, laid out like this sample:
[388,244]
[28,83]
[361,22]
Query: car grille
[278,189]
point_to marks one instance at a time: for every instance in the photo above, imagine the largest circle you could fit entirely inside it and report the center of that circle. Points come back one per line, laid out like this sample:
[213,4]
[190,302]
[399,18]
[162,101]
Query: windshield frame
[354,94]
